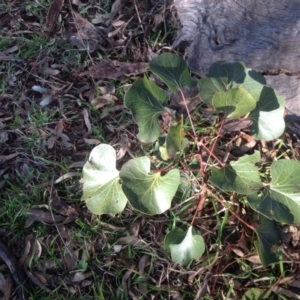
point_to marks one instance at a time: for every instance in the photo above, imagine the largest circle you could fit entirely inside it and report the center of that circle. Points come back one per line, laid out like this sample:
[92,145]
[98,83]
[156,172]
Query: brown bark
[265,35]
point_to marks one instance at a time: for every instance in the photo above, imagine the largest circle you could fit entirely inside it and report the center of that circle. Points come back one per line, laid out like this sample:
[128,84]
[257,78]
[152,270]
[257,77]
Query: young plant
[234,91]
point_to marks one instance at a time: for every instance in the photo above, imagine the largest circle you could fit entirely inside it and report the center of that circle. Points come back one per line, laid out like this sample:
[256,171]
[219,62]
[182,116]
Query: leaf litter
[58,100]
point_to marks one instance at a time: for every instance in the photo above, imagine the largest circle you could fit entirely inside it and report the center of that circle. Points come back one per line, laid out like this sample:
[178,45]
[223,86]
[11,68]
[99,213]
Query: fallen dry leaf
[92,141]
[236,125]
[87,122]
[158,19]
[107,88]
[135,227]
[23,260]
[254,259]
[4,57]
[143,263]
[294,283]
[81,33]
[8,157]
[49,264]
[281,291]
[130,240]
[244,148]
[56,134]
[115,9]
[103,100]
[40,277]
[38,215]
[117,248]
[66,176]
[238,252]
[77,164]
[99,19]
[119,30]
[107,110]
[5,287]
[53,14]
[79,276]
[11,50]
[125,284]
[64,208]
[51,71]
[70,259]
[115,70]
[3,136]
[36,281]
[85,283]
[33,248]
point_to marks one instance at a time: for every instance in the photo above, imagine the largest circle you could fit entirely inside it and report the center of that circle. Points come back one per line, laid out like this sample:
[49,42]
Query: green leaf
[82,265]
[102,190]
[281,199]
[235,102]
[208,88]
[145,100]
[240,176]
[268,116]
[184,191]
[175,236]
[160,148]
[285,189]
[163,154]
[225,76]
[148,193]
[256,294]
[269,235]
[168,146]
[185,246]
[270,208]
[172,70]
[174,138]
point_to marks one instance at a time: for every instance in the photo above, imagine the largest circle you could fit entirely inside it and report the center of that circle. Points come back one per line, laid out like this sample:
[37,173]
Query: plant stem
[189,116]
[215,142]
[221,202]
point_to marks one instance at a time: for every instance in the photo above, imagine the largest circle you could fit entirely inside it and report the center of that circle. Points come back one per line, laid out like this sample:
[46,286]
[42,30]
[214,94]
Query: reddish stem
[221,202]
[215,141]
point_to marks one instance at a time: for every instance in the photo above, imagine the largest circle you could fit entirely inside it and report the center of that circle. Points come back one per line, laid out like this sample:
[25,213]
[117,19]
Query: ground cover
[65,68]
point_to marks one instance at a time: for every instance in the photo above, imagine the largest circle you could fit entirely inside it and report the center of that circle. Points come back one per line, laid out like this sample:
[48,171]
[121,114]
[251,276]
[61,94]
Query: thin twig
[233,213]
[138,15]
[215,142]
[189,116]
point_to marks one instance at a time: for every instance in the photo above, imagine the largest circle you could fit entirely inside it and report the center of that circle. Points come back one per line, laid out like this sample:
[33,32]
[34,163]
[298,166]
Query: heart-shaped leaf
[172,70]
[269,235]
[102,190]
[235,102]
[269,207]
[145,100]
[148,193]
[175,236]
[268,116]
[240,176]
[281,200]
[185,246]
[225,76]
